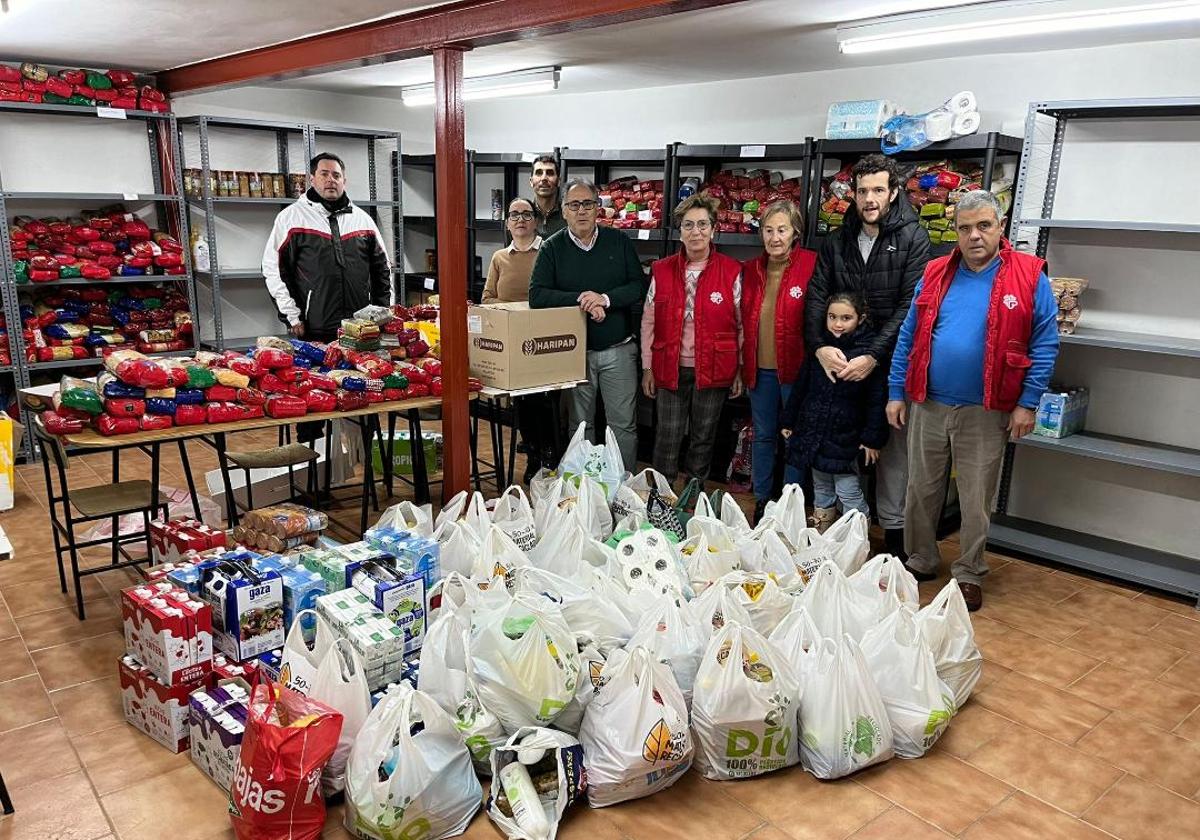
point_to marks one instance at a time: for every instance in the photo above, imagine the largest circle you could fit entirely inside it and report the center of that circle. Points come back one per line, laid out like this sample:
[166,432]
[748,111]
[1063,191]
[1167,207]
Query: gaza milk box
[301,586]
[1062,412]
[247,608]
[216,724]
[511,346]
[169,632]
[157,709]
[400,597]
[172,539]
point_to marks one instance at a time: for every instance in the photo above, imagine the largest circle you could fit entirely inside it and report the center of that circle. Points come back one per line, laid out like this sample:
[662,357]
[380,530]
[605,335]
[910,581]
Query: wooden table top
[92,438]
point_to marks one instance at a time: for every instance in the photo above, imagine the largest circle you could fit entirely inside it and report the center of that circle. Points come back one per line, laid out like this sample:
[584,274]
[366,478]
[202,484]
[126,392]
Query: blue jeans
[829,489]
[767,399]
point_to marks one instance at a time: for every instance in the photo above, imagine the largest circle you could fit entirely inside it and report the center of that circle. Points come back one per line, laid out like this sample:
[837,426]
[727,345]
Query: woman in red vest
[691,332]
[773,301]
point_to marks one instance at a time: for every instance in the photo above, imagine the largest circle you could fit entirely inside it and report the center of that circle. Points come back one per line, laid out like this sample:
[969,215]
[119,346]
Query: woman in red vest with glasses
[773,302]
[691,335]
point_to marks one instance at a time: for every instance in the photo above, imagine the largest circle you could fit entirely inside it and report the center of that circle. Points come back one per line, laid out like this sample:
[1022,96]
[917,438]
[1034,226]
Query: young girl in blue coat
[828,421]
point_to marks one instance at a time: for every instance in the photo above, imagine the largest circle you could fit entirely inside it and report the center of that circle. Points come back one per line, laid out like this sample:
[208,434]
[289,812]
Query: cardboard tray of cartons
[512,346]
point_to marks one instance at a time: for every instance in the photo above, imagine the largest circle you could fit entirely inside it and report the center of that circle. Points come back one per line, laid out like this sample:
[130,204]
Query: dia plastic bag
[635,731]
[341,684]
[850,540]
[514,515]
[945,625]
[554,762]
[300,663]
[443,670]
[497,555]
[744,706]
[884,580]
[601,463]
[919,705]
[836,608]
[672,635]
[524,661]
[276,785]
[796,635]
[844,724]
[591,663]
[715,607]
[409,774]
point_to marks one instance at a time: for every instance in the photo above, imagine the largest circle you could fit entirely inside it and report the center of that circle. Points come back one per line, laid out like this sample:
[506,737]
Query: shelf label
[130,197]
[429,283]
[754,151]
[643,234]
[110,113]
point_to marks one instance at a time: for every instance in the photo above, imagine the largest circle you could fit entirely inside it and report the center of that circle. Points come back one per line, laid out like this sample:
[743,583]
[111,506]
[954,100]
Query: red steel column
[451,177]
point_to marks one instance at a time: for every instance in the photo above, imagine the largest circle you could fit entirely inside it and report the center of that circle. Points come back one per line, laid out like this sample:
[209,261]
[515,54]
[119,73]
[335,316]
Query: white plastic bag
[468,507]
[850,540]
[299,663]
[884,580]
[540,485]
[458,546]
[630,498]
[714,608]
[556,499]
[810,551]
[760,596]
[524,661]
[706,562]
[635,731]
[727,511]
[589,615]
[562,756]
[604,582]
[341,683]
[919,705]
[591,663]
[946,626]
[443,670]
[497,555]
[795,634]
[562,547]
[789,511]
[449,593]
[480,730]
[834,607]
[744,706]
[429,790]
[514,515]
[591,509]
[408,516]
[602,464]
[670,633]
[844,724]
[765,553]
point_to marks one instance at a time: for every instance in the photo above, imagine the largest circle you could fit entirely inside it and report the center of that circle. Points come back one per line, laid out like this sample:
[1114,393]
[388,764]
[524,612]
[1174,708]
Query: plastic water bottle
[688,188]
[523,800]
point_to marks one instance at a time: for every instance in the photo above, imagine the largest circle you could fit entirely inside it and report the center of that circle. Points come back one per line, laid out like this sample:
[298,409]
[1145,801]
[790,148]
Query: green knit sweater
[563,271]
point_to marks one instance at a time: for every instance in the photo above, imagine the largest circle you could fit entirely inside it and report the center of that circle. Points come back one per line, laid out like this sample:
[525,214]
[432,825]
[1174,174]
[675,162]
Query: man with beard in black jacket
[879,252]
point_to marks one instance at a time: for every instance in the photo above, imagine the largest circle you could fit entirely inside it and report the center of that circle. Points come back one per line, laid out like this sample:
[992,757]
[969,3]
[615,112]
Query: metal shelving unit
[170,215]
[282,132]
[603,161]
[989,147]
[1037,187]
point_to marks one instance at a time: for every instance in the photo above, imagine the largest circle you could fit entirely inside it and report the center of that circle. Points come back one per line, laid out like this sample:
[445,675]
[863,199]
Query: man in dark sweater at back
[597,269]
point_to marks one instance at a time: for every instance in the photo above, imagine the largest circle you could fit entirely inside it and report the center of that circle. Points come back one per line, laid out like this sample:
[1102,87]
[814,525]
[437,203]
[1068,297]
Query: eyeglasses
[582,206]
[702,225]
[521,216]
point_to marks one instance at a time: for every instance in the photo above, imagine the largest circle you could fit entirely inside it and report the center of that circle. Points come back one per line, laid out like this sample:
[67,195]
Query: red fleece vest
[715,321]
[789,314]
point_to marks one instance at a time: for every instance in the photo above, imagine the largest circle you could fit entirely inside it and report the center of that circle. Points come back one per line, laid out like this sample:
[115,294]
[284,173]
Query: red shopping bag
[276,792]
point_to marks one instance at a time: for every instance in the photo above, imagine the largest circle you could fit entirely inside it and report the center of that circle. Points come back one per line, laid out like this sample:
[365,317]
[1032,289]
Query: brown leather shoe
[973,595]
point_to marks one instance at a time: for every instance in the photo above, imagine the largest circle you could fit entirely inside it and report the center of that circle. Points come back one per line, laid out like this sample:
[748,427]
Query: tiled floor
[1086,724]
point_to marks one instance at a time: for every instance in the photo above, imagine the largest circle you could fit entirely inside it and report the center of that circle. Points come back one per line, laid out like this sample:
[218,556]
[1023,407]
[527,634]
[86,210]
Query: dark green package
[200,377]
[80,395]
[77,99]
[21,271]
[395,380]
[98,81]
[68,271]
[55,99]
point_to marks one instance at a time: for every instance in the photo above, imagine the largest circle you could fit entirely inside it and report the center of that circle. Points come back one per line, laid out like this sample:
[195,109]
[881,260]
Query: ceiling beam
[469,23]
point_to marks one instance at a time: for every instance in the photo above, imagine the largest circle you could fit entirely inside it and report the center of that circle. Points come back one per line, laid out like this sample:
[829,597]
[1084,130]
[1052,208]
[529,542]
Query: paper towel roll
[858,118]
[967,123]
[939,125]
[962,102]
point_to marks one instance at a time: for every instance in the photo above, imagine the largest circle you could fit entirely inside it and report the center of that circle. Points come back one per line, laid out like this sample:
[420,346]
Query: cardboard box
[247,609]
[402,454]
[171,540]
[169,633]
[10,444]
[512,346]
[398,596]
[217,722]
[160,711]
[1061,412]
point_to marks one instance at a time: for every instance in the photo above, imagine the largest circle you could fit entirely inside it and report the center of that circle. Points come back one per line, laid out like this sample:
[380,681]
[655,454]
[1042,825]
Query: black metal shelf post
[1037,189]
[170,208]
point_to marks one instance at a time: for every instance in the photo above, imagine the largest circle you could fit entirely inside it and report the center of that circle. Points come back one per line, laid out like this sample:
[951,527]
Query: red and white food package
[171,540]
[159,710]
[168,631]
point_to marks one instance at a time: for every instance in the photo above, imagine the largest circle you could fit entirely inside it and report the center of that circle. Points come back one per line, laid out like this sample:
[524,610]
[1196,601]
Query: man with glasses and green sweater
[597,269]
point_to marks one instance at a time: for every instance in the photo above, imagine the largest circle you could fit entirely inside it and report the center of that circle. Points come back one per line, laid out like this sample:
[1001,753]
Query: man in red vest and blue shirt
[974,356]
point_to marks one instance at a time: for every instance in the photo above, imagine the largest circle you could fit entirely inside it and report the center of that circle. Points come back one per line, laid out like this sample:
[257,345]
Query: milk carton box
[168,631]
[401,598]
[172,539]
[247,608]
[217,722]
[157,709]
[301,586]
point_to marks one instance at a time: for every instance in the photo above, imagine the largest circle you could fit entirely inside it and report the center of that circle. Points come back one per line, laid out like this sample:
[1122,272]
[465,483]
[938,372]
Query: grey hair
[976,199]
[582,182]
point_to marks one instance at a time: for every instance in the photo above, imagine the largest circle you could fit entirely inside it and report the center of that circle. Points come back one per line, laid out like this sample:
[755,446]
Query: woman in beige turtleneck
[773,298]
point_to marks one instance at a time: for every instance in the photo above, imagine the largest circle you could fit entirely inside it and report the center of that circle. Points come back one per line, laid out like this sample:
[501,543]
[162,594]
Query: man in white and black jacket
[325,258]
[880,252]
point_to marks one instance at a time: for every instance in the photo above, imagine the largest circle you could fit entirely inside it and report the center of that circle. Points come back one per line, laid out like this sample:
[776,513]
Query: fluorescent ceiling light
[534,80]
[991,21]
